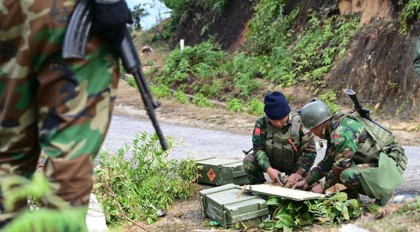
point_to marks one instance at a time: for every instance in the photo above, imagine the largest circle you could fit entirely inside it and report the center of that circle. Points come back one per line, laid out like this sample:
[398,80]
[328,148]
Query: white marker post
[181,44]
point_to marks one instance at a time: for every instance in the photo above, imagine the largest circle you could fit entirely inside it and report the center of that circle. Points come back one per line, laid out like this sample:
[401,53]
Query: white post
[181,44]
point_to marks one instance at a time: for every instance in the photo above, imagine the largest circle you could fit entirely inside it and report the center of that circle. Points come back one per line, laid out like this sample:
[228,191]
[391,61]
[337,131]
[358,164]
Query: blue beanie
[276,106]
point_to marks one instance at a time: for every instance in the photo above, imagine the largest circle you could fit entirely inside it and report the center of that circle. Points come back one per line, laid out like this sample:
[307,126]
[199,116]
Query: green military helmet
[314,113]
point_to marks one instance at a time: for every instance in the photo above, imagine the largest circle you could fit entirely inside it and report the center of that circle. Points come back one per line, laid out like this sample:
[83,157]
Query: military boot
[385,200]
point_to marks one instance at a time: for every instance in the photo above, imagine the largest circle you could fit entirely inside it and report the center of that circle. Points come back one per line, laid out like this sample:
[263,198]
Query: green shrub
[202,101]
[409,14]
[131,81]
[295,214]
[329,98]
[255,107]
[16,188]
[140,180]
[235,105]
[161,91]
[151,63]
[181,97]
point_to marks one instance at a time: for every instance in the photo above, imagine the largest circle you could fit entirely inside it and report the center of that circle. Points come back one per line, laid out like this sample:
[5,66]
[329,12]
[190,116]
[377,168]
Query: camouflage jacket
[305,145]
[416,60]
[343,139]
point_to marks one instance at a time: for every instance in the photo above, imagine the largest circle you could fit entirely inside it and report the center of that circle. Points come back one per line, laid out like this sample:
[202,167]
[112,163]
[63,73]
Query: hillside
[377,62]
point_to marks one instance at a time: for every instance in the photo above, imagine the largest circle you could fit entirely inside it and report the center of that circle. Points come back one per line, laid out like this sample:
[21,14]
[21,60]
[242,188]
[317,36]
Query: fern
[409,14]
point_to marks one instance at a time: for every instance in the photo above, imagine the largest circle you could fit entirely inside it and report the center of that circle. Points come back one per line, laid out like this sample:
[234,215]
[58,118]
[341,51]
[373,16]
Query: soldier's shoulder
[351,122]
[261,122]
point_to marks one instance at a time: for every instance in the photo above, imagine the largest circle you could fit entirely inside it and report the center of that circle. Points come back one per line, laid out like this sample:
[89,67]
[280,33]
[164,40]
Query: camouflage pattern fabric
[60,107]
[343,160]
[259,161]
[416,59]
[350,177]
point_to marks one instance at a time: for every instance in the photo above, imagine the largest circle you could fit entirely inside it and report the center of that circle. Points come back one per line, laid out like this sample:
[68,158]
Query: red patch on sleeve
[257,131]
[304,130]
[336,136]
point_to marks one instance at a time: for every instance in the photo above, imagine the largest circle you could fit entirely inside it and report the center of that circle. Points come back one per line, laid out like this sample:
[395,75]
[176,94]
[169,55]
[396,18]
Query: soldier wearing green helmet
[360,154]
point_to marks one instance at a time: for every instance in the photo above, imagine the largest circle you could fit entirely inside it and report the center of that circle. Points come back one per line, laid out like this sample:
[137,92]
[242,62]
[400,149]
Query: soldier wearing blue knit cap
[280,144]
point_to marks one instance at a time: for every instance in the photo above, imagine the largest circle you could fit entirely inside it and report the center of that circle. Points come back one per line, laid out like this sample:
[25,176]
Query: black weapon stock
[75,44]
[365,113]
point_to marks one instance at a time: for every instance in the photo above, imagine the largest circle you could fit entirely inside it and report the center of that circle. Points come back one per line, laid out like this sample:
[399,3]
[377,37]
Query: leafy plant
[161,91]
[329,98]
[293,214]
[151,63]
[131,81]
[16,188]
[411,208]
[255,107]
[181,97]
[139,181]
[202,101]
[235,105]
[409,14]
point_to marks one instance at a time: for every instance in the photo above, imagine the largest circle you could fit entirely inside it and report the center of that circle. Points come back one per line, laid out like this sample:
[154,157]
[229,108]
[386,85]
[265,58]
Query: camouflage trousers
[350,177]
[254,171]
[59,107]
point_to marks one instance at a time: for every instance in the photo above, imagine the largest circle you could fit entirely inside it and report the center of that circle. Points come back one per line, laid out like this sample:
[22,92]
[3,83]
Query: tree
[137,13]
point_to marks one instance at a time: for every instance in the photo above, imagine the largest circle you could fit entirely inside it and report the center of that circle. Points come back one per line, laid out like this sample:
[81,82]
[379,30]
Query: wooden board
[293,194]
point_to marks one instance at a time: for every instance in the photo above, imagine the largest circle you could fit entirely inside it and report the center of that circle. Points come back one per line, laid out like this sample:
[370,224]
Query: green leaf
[286,219]
[345,213]
[287,229]
[291,206]
[352,202]
[339,206]
[267,224]
[373,208]
[273,201]
[340,196]
[279,224]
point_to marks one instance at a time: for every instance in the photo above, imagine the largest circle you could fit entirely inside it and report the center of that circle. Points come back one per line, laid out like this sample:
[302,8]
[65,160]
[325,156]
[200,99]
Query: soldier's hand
[274,174]
[318,189]
[301,185]
[110,18]
[294,178]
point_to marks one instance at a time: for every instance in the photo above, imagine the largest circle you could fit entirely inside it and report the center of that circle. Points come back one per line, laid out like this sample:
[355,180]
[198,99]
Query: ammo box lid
[221,171]
[219,162]
[228,204]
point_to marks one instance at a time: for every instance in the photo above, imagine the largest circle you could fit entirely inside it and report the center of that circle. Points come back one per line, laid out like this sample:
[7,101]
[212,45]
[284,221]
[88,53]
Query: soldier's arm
[308,149]
[345,144]
[320,170]
[258,141]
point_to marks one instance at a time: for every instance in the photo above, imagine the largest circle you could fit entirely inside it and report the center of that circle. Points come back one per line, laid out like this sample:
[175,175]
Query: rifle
[364,113]
[75,41]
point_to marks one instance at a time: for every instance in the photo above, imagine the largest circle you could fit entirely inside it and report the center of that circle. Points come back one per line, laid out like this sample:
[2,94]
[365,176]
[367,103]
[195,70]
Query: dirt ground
[186,215]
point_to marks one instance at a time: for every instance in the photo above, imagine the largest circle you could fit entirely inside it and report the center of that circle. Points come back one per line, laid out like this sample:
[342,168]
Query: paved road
[200,143]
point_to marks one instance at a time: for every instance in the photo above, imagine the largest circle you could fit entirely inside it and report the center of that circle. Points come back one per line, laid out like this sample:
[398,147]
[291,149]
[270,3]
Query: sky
[149,21]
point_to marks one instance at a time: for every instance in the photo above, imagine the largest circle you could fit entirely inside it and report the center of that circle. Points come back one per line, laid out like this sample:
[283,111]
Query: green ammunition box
[219,171]
[227,205]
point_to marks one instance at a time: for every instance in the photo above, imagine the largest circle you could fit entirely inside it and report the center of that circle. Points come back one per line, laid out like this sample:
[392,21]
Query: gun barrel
[362,112]
[132,65]
[149,106]
[353,98]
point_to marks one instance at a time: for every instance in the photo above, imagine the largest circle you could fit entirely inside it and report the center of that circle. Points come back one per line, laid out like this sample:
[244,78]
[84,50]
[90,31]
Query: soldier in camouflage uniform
[416,59]
[280,144]
[60,107]
[360,154]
